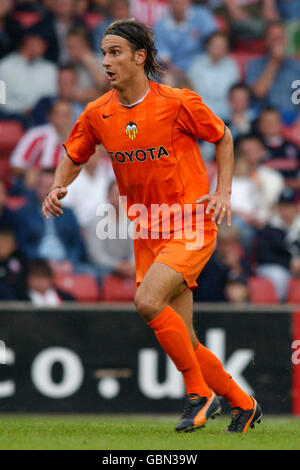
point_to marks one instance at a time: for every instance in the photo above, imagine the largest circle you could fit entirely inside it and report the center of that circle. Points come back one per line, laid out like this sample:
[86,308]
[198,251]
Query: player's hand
[52,204]
[220,204]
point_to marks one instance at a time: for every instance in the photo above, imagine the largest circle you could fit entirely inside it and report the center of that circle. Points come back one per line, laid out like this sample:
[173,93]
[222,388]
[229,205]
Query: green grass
[131,433]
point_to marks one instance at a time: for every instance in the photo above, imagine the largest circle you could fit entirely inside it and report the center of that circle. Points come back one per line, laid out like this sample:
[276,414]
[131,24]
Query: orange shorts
[174,253]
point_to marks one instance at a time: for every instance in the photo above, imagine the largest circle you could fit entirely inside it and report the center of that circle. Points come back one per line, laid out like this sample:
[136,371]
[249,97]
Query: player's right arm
[65,173]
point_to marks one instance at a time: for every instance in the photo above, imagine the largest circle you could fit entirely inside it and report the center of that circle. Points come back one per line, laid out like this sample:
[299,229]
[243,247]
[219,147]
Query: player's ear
[140,56]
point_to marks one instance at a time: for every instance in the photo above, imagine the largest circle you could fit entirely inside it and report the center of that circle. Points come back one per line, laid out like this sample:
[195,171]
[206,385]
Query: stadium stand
[117,289]
[293,296]
[82,287]
[262,291]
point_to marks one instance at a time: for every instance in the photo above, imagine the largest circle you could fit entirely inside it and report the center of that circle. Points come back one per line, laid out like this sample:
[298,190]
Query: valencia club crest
[131,130]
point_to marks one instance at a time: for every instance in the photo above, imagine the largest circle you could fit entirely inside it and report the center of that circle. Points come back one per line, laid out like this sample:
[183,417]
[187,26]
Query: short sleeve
[197,119]
[82,141]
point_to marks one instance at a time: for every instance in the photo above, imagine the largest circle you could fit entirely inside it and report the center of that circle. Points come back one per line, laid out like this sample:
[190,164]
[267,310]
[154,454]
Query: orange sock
[172,334]
[219,380]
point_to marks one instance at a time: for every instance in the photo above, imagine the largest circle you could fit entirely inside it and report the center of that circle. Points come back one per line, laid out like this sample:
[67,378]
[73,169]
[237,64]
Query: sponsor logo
[139,155]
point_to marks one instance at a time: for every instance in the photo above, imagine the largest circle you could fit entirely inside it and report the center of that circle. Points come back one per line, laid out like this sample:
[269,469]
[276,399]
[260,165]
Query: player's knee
[146,308]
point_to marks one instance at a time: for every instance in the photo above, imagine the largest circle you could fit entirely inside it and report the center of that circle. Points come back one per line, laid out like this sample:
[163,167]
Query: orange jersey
[152,146]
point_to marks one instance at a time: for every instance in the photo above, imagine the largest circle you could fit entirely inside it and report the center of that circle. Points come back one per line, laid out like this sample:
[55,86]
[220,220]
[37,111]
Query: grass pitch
[144,433]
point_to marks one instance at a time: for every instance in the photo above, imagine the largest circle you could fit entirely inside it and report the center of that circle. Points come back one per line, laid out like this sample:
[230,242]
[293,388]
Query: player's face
[119,61]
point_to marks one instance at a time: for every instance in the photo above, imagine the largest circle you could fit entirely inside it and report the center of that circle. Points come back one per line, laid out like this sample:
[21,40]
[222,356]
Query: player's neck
[134,93]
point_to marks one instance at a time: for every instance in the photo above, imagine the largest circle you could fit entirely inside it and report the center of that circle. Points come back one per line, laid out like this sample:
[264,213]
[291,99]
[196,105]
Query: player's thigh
[183,305]
[160,284]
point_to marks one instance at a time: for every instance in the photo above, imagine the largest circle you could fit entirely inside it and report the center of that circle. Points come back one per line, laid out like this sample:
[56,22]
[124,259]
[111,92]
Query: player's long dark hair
[140,36]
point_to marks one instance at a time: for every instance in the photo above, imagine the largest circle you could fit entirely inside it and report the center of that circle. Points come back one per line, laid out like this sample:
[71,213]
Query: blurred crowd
[241,56]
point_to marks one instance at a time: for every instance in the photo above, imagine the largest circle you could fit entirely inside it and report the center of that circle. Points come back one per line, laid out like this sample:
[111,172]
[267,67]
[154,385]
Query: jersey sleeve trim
[217,141]
[76,163]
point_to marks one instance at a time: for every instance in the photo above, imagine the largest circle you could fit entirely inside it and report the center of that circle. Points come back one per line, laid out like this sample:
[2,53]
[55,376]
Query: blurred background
[243,58]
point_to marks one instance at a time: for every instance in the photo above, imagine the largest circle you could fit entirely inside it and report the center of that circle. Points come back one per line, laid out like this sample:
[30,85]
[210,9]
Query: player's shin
[172,334]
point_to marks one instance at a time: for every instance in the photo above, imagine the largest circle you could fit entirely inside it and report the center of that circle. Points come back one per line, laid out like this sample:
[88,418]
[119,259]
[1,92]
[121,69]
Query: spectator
[29,6]
[241,117]
[12,266]
[92,80]
[237,290]
[282,154]
[149,12]
[245,202]
[227,262]
[180,35]
[10,30]
[67,83]
[7,217]
[289,10]
[40,289]
[22,71]
[100,6]
[81,8]
[118,9]
[278,253]
[248,18]
[268,182]
[292,132]
[89,189]
[206,70]
[270,76]
[57,239]
[41,146]
[111,254]
[57,21]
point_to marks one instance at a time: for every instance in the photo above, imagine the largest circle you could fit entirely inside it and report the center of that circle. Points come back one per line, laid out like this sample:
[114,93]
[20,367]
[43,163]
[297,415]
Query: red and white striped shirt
[40,147]
[148,11]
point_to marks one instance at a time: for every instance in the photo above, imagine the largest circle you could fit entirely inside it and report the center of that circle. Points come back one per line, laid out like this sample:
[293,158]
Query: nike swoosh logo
[105,116]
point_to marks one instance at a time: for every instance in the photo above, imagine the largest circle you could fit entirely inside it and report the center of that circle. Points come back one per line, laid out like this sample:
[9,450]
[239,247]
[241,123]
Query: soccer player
[150,132]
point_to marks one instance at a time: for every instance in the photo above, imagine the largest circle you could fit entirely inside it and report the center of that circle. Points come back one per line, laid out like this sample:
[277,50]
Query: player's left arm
[219,201]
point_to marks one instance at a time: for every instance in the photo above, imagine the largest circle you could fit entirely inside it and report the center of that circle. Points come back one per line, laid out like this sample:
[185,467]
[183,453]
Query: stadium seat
[82,287]
[117,289]
[256,46]
[27,18]
[262,291]
[10,133]
[293,296]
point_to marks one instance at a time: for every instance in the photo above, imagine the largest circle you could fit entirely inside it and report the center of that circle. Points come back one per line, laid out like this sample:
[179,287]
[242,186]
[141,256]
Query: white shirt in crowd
[148,12]
[26,81]
[39,147]
[49,299]
[257,198]
[87,191]
[212,81]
